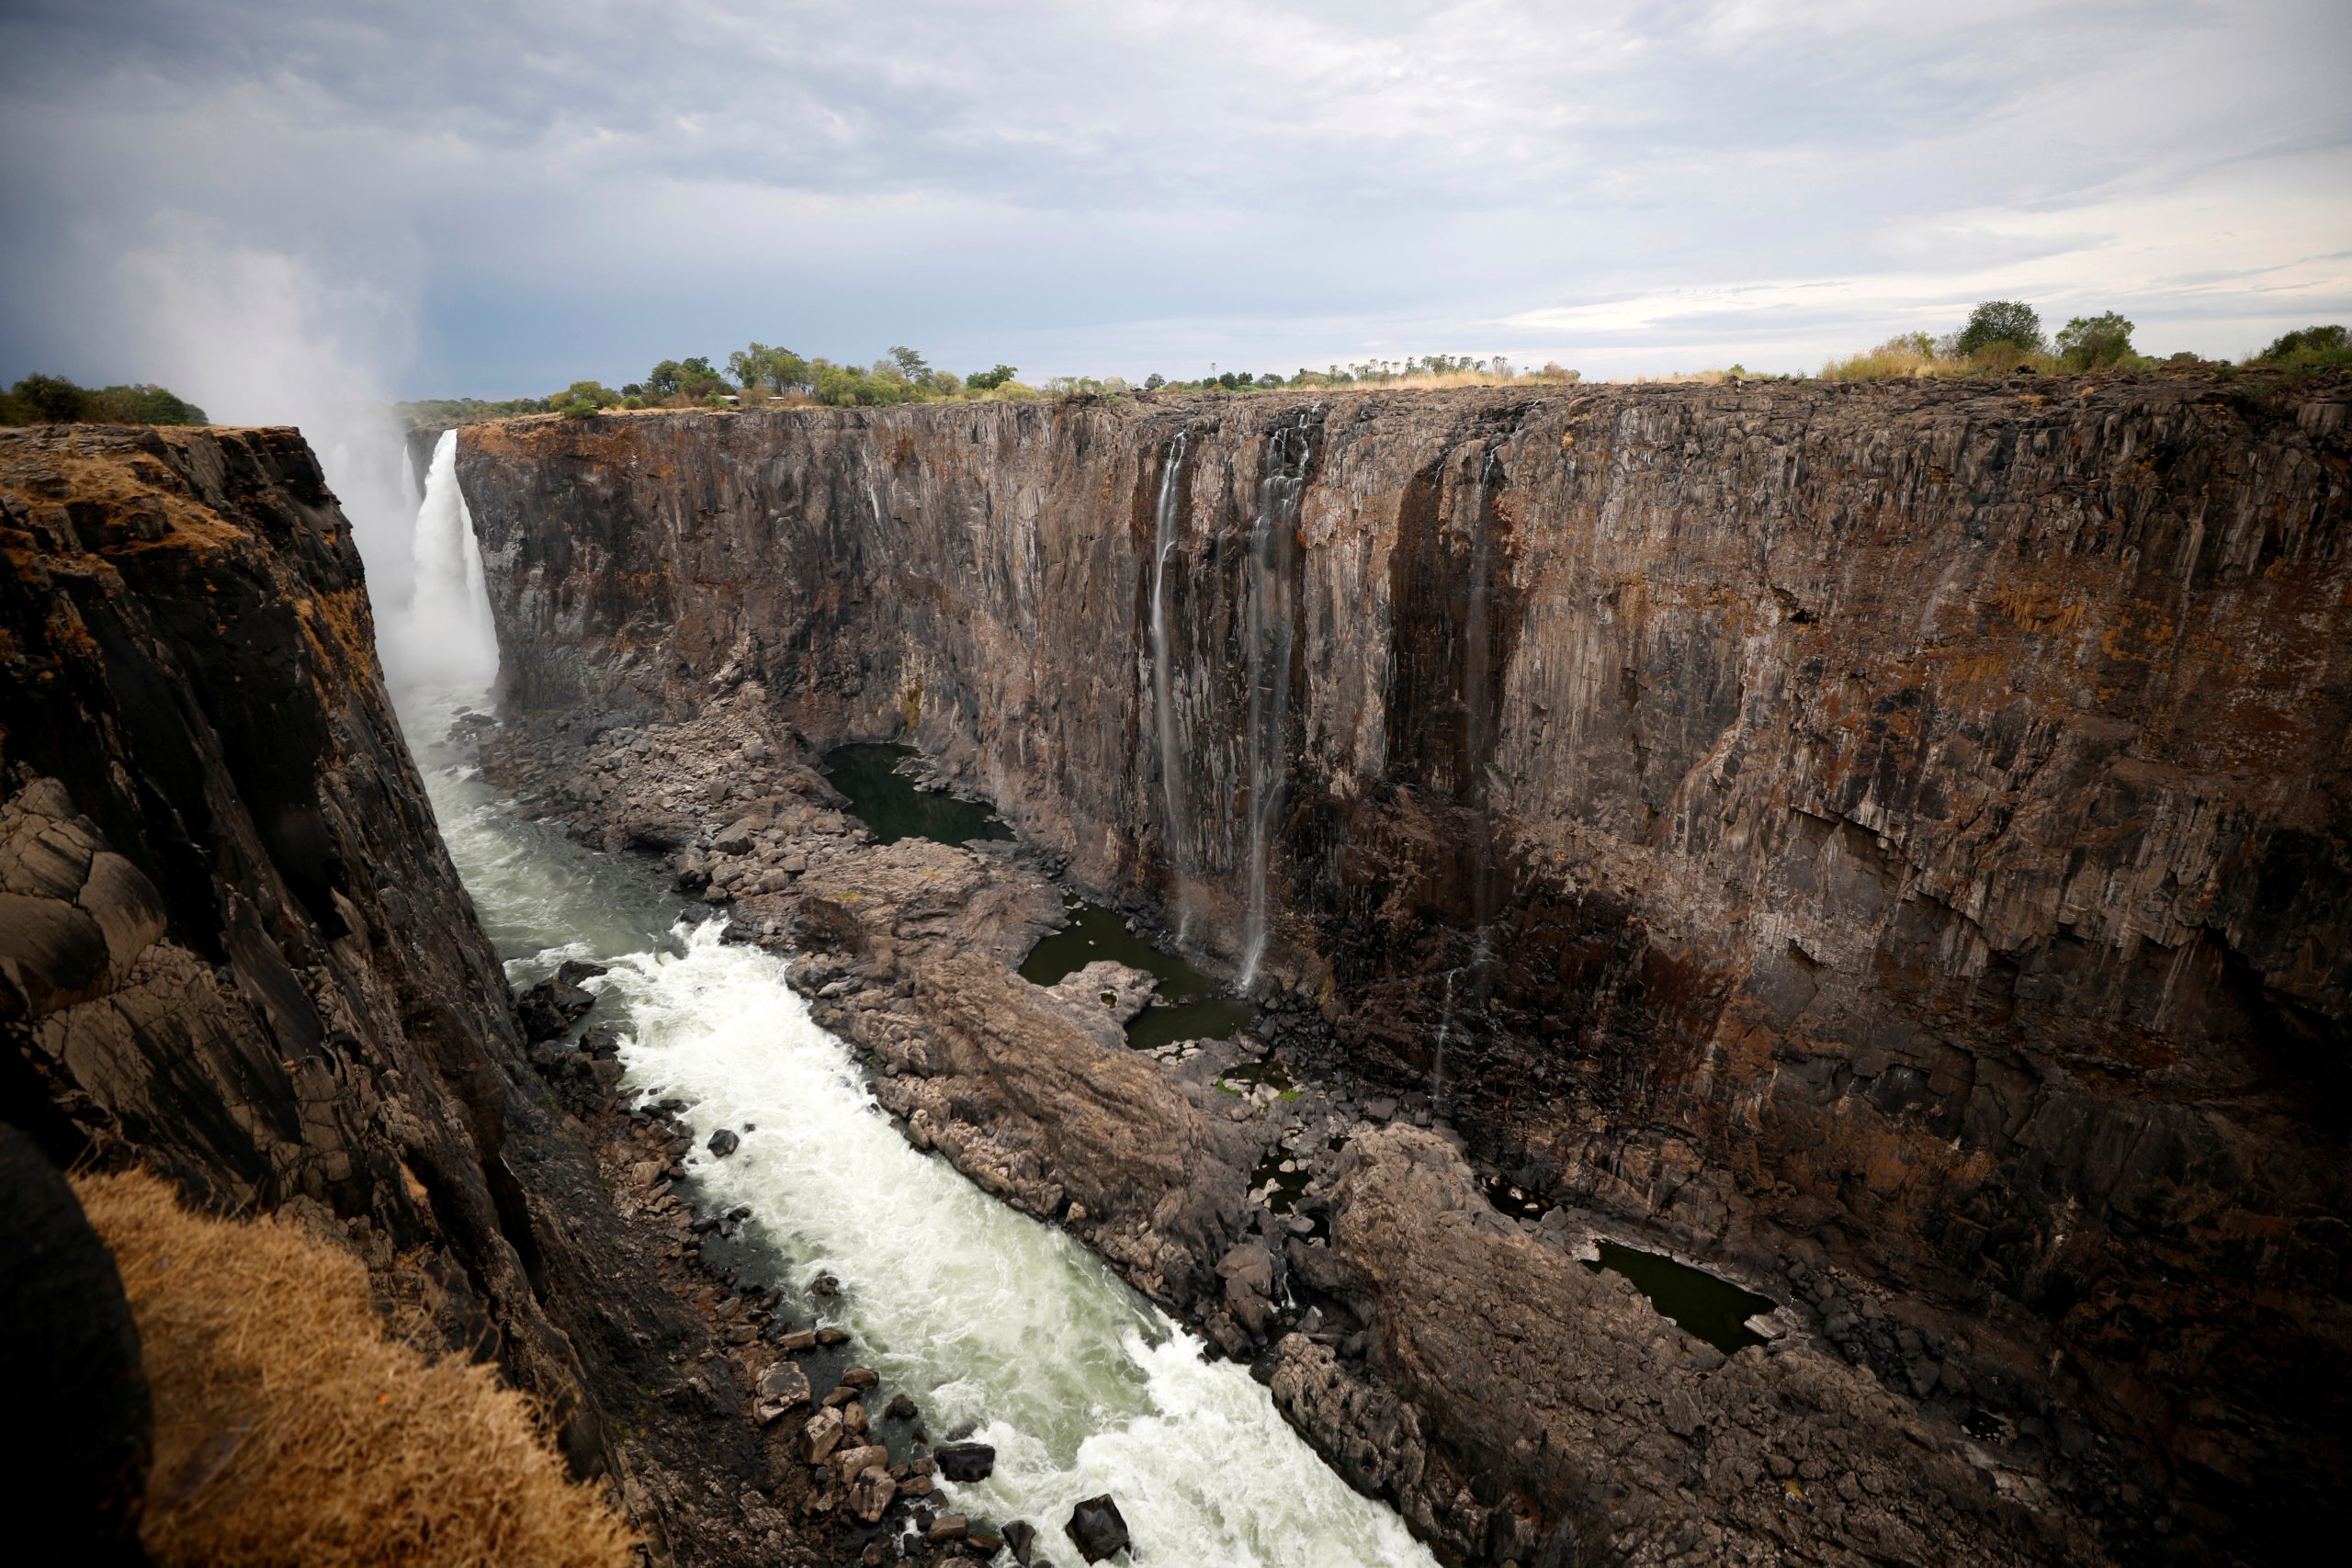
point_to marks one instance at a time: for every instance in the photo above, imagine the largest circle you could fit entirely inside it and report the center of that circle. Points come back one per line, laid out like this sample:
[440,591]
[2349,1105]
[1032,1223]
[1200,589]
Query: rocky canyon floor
[1459,1361]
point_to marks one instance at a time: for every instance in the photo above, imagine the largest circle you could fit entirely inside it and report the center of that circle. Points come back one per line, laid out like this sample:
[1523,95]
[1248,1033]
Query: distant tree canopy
[2090,342]
[2010,322]
[990,380]
[583,399]
[693,379]
[53,399]
[2314,346]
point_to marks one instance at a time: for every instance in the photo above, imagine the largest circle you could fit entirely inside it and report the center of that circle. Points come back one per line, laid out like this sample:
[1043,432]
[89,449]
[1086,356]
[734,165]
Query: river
[981,1315]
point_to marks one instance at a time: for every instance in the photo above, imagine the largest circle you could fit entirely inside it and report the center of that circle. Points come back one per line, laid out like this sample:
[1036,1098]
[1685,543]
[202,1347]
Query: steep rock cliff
[232,948]
[1905,821]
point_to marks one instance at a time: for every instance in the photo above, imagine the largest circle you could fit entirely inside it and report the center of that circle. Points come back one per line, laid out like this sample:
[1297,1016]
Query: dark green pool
[1190,1006]
[1713,1310]
[887,802]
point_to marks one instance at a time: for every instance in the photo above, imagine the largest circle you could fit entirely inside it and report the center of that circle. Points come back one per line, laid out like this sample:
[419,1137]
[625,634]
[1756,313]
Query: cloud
[513,195]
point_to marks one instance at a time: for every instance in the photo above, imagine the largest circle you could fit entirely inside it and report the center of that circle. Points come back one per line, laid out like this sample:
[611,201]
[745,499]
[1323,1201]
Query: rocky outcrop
[1495,1354]
[1898,827]
[233,949]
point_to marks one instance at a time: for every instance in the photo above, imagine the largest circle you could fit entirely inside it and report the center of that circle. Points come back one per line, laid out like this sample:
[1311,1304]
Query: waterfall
[1477,743]
[1267,629]
[443,636]
[1171,784]
[1444,1028]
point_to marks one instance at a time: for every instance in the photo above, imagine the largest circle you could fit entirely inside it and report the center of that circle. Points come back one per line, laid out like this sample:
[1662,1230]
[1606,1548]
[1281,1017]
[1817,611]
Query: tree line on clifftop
[53,399]
[2004,336]
[2000,338]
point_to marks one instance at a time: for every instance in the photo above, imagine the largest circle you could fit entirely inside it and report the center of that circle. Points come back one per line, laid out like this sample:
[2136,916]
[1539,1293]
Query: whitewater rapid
[980,1314]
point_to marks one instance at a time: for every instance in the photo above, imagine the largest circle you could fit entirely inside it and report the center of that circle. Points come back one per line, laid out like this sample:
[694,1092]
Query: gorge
[1886,844]
[1895,828]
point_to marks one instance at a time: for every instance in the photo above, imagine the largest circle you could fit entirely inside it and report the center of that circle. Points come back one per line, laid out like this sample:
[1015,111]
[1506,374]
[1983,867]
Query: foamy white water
[444,636]
[978,1313]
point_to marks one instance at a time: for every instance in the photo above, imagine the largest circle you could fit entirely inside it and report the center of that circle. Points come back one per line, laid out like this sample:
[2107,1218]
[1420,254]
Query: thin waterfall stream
[1268,627]
[1171,780]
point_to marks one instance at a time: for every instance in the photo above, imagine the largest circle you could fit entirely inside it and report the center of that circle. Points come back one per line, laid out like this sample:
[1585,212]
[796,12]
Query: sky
[262,204]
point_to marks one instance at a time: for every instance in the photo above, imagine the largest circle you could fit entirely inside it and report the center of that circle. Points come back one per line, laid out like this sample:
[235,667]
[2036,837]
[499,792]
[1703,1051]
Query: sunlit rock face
[1903,822]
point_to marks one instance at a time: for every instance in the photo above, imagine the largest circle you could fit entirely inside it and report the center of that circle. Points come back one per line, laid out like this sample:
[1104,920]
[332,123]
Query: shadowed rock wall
[233,949]
[1903,820]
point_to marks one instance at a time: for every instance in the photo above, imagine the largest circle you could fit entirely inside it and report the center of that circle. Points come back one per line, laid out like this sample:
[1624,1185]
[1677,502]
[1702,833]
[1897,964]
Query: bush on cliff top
[53,399]
[2308,348]
[289,1429]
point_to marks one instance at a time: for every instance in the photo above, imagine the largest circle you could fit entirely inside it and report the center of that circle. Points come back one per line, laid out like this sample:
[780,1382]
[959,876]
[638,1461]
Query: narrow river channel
[983,1315]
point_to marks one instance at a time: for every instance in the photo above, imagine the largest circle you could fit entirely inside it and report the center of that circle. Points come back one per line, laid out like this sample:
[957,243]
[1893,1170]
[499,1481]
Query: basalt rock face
[232,948]
[1905,824]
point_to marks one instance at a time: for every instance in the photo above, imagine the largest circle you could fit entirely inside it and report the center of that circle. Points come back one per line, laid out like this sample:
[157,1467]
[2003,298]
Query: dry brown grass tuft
[289,1429]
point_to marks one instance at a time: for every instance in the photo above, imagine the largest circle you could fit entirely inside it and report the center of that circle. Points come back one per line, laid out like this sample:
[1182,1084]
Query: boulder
[821,1437]
[781,1388]
[1096,1527]
[552,1006]
[949,1526]
[965,1461]
[724,1143]
[850,1462]
[736,838]
[871,1492]
[900,1408]
[1020,1536]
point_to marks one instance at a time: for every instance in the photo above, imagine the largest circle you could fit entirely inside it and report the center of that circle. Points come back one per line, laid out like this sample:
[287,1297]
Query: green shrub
[2092,343]
[2303,341]
[2308,348]
[2010,322]
[53,399]
[990,380]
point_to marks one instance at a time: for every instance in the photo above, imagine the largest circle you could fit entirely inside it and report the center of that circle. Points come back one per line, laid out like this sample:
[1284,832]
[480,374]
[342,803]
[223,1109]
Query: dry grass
[289,1430]
[1914,354]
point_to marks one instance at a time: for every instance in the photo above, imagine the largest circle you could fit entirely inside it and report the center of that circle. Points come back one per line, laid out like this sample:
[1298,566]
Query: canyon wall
[1899,825]
[234,951]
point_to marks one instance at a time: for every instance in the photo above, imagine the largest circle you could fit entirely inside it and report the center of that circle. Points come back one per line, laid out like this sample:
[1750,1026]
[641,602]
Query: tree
[787,370]
[698,379]
[1154,381]
[2000,320]
[52,400]
[750,366]
[662,381]
[911,366]
[583,399]
[2307,342]
[990,380]
[2087,343]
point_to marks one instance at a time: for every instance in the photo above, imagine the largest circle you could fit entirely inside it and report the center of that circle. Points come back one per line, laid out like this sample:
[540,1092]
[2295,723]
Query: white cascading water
[1171,781]
[1267,626]
[445,638]
[980,1314]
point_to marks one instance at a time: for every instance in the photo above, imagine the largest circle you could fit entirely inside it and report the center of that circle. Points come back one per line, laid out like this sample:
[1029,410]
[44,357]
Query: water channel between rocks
[1187,1004]
[980,1314]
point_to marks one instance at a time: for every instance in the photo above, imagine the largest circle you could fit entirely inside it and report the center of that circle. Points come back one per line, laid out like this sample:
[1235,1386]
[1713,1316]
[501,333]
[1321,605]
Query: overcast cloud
[485,198]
